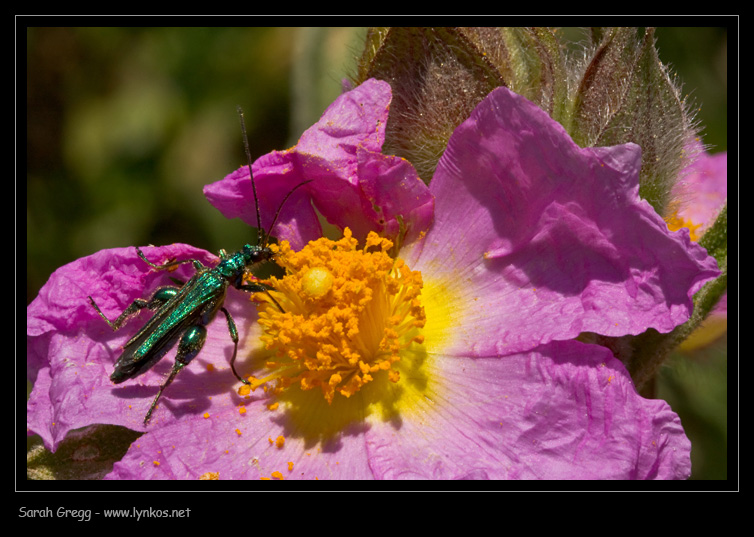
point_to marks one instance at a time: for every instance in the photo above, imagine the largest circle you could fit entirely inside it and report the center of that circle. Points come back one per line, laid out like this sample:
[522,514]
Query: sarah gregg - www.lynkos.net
[85,515]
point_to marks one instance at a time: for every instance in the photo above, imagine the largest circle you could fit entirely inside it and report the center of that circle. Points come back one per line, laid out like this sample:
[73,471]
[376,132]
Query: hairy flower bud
[617,92]
[625,94]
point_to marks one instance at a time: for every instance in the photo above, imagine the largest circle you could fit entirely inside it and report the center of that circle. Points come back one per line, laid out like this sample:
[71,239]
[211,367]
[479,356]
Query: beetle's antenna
[280,208]
[262,234]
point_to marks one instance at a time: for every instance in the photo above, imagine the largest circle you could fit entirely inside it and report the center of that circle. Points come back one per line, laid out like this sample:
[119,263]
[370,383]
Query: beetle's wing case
[196,302]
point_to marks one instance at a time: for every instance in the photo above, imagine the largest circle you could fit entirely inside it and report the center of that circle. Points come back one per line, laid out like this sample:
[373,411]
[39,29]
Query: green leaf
[715,238]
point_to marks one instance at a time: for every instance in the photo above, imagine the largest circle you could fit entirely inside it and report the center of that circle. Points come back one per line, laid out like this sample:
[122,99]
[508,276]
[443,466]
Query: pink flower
[700,195]
[534,241]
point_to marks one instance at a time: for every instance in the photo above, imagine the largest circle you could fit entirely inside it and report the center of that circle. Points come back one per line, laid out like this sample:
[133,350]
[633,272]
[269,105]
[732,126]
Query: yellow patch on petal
[441,306]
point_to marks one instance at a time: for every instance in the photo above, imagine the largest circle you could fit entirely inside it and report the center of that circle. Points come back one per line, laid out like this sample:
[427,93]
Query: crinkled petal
[245,444]
[541,240]
[566,410]
[275,175]
[340,154]
[397,196]
[355,119]
[71,350]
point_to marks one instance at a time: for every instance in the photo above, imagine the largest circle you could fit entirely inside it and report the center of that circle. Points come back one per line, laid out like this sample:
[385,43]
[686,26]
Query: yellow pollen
[676,222]
[349,314]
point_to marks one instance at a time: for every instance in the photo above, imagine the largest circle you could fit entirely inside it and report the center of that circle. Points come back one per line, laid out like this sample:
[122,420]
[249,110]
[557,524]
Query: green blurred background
[126,125]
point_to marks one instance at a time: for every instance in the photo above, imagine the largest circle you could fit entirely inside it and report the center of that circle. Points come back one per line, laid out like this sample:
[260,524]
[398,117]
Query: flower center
[349,313]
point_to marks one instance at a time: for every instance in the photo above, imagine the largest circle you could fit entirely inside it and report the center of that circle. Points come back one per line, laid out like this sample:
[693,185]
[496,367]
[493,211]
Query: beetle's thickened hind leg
[160,296]
[191,343]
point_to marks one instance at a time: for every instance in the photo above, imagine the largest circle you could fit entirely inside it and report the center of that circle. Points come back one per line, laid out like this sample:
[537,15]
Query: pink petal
[541,240]
[71,350]
[350,177]
[564,411]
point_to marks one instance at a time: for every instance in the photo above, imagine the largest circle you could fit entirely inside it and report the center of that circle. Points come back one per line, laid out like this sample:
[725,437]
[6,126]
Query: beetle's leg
[267,292]
[170,264]
[160,296]
[234,336]
[189,346]
[251,288]
[261,288]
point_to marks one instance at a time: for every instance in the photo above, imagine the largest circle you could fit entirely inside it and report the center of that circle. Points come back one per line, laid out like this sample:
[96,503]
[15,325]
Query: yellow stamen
[349,314]
[676,222]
